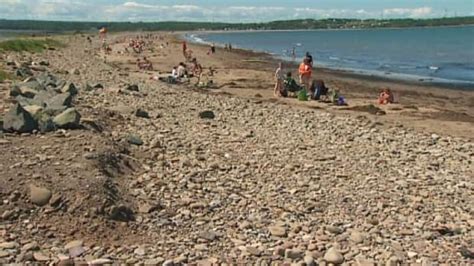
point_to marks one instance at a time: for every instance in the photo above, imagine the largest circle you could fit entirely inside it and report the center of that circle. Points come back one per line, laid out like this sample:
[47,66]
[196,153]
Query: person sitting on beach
[289,85]
[385,97]
[278,80]
[305,70]
[181,70]
[318,89]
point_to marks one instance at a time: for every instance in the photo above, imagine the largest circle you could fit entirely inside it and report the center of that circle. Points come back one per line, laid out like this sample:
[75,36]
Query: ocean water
[443,54]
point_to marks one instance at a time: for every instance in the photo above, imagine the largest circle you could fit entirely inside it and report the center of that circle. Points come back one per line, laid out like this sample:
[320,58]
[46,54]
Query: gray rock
[33,109]
[69,88]
[132,87]
[24,101]
[19,120]
[42,97]
[142,113]
[63,99]
[207,115]
[134,140]
[294,254]
[39,195]
[23,72]
[46,124]
[28,92]
[69,119]
[14,91]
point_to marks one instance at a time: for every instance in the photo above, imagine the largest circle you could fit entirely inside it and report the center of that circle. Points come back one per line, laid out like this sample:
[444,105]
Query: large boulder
[33,109]
[63,99]
[42,97]
[19,120]
[28,92]
[46,79]
[32,83]
[69,119]
[69,88]
[24,101]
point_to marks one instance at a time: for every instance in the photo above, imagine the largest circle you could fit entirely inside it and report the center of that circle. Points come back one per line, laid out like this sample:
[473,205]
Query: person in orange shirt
[305,71]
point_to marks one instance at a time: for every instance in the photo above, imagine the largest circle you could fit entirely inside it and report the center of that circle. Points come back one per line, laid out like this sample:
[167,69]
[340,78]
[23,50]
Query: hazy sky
[229,11]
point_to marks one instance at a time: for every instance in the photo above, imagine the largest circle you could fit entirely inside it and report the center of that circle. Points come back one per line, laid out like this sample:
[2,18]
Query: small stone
[100,262]
[142,113]
[75,248]
[8,245]
[309,261]
[132,87]
[334,229]
[30,247]
[279,251]
[134,140]
[412,254]
[207,115]
[40,256]
[254,251]
[333,256]
[168,263]
[357,237]
[140,251]
[4,254]
[278,231]
[39,195]
[294,254]
[208,235]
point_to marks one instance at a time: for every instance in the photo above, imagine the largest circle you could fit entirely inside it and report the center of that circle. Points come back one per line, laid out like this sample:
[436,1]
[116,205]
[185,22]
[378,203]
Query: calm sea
[443,54]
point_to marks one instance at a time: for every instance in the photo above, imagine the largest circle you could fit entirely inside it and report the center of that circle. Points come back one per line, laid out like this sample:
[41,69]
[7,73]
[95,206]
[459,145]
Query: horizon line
[222,22]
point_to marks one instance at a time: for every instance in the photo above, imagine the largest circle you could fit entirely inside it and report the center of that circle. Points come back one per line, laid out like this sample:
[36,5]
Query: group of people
[145,64]
[286,84]
[312,88]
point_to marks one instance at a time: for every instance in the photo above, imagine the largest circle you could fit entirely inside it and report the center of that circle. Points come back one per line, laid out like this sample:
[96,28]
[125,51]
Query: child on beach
[278,81]
[385,97]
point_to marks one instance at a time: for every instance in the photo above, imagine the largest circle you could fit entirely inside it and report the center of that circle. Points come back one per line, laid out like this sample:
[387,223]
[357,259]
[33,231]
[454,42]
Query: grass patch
[29,45]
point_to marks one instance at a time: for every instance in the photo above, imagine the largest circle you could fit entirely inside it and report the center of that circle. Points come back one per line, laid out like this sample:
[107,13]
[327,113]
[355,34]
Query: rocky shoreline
[168,175]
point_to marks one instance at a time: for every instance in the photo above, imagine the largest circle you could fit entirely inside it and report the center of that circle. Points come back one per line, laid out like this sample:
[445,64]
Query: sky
[229,11]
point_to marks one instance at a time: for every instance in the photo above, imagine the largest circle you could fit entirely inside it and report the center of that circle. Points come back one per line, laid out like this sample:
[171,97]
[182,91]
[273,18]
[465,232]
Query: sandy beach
[172,174]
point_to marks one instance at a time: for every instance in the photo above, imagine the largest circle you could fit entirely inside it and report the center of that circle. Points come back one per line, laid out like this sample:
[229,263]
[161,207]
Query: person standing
[305,70]
[278,80]
[310,58]
[185,48]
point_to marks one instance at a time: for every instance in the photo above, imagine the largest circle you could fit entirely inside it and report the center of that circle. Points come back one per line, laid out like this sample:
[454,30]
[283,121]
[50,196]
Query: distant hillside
[274,25]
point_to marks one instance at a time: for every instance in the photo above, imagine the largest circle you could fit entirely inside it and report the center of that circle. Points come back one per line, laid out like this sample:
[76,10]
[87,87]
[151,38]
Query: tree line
[68,26]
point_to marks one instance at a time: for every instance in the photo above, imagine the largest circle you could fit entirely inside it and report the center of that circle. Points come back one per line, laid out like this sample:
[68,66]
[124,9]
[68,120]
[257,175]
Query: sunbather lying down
[289,85]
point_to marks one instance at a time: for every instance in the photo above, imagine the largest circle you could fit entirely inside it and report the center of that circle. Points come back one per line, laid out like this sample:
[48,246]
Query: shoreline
[355,73]
[425,107]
